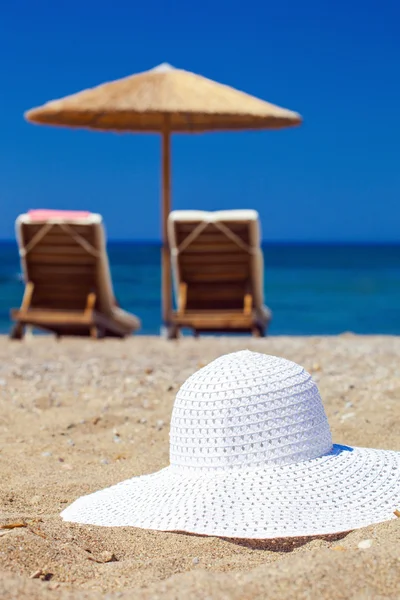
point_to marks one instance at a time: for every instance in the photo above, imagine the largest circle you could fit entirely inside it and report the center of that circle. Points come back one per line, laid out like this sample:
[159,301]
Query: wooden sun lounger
[68,285]
[217,266]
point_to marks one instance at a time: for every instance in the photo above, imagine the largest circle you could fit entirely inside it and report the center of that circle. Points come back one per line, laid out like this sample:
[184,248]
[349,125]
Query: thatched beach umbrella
[163,100]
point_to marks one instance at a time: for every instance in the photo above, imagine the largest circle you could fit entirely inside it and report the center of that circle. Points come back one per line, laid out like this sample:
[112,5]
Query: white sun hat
[251,456]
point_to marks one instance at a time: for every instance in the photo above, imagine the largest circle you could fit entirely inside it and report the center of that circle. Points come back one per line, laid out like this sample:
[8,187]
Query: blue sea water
[311,289]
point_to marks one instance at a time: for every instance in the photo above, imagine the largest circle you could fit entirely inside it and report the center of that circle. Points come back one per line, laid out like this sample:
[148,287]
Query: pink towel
[43,214]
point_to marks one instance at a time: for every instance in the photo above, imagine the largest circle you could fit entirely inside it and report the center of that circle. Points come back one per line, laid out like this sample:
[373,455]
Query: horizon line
[158,242]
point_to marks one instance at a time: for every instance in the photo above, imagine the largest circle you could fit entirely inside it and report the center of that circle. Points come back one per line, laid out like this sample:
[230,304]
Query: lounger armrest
[248,303]
[27,299]
[90,304]
[182,299]
[248,300]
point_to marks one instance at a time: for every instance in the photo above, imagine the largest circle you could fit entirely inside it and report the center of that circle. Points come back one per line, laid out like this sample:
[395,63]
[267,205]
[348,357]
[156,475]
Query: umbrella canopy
[144,102]
[163,100]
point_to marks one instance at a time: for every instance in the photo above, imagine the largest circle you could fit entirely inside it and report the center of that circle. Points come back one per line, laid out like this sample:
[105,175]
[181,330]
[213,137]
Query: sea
[311,289]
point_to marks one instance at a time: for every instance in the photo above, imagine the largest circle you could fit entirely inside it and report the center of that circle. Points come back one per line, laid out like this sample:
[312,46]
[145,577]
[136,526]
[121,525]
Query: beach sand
[80,415]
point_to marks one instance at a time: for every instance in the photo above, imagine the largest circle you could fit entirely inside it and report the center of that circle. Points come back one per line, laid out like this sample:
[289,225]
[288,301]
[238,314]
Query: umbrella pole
[166,291]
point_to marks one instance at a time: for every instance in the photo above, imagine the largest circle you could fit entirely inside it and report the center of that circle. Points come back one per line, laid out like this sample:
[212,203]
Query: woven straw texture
[252,457]
[161,98]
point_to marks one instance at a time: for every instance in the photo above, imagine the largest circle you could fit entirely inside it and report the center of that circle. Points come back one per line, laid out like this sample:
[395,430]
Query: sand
[79,415]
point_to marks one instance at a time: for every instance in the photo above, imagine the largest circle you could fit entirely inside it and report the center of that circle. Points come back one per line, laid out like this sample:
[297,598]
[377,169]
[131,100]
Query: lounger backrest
[66,260]
[218,256]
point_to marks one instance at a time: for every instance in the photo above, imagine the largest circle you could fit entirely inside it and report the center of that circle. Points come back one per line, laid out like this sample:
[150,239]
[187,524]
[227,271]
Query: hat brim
[345,489]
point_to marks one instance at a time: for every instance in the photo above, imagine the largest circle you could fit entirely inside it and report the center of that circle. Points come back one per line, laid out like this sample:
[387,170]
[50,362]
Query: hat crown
[246,409]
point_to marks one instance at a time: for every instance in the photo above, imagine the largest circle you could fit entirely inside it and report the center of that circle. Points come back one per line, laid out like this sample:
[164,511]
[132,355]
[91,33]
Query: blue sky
[336,178]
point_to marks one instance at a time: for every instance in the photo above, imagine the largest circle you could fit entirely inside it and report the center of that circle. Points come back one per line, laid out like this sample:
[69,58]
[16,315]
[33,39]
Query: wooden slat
[211,238]
[67,259]
[48,276]
[43,250]
[46,272]
[34,228]
[54,304]
[59,301]
[62,296]
[236,226]
[57,286]
[58,239]
[214,289]
[212,298]
[205,258]
[48,317]
[216,305]
[215,297]
[204,314]
[225,246]
[63,287]
[65,322]
[216,267]
[214,237]
[214,277]
[222,320]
